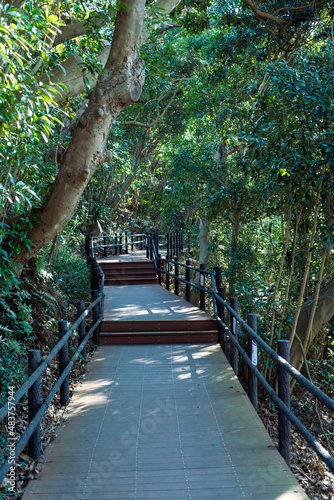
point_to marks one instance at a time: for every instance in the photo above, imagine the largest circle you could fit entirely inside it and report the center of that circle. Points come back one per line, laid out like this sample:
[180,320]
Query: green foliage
[71,273]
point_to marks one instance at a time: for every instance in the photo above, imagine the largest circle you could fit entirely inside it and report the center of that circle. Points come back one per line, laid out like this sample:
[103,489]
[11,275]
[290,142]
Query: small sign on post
[254,353]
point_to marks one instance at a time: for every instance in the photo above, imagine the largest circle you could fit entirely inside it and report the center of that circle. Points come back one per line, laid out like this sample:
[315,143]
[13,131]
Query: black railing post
[177,282]
[88,245]
[252,353]
[168,246]
[159,268]
[188,287]
[105,249]
[176,244]
[218,272]
[167,275]
[126,243]
[132,242]
[221,314]
[63,362]
[34,403]
[151,246]
[82,329]
[156,242]
[120,244]
[202,284]
[95,277]
[147,246]
[234,331]
[284,426]
[116,246]
[96,314]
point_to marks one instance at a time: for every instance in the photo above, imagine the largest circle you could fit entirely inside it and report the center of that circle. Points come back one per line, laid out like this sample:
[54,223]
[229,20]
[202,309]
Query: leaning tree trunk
[119,85]
[323,313]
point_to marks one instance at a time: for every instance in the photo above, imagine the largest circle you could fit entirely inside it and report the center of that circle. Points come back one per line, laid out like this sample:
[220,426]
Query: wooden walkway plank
[162,422]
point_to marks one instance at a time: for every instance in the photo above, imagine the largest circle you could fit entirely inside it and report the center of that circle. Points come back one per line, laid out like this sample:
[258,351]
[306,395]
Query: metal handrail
[303,381]
[45,364]
[34,377]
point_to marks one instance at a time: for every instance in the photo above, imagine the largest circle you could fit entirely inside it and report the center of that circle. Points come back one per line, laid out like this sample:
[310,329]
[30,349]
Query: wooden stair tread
[124,338]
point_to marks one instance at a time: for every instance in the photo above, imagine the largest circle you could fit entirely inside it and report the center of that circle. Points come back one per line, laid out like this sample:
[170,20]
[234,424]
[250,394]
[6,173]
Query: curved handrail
[279,360]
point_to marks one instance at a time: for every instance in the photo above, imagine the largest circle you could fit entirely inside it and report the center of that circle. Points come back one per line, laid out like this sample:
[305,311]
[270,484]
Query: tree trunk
[323,313]
[204,255]
[138,158]
[234,242]
[119,86]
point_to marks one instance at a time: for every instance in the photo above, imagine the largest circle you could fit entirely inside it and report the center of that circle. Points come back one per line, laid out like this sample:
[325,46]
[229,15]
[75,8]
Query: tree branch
[76,29]
[158,119]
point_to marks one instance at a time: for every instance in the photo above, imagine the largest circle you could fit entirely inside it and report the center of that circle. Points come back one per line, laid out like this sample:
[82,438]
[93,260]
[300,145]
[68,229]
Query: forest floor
[311,473]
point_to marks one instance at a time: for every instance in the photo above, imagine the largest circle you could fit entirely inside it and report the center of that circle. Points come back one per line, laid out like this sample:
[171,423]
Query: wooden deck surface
[163,422]
[148,303]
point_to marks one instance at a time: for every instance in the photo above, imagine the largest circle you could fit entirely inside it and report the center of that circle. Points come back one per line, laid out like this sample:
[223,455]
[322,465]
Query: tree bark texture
[119,86]
[204,255]
[323,313]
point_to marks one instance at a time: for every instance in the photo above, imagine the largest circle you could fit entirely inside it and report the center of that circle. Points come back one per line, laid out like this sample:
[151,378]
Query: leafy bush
[72,274]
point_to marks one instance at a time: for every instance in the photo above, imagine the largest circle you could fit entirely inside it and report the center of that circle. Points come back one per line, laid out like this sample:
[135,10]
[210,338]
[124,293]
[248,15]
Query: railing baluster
[159,268]
[188,286]
[63,362]
[177,283]
[202,284]
[168,246]
[284,425]
[234,331]
[95,277]
[96,314]
[105,249]
[82,330]
[167,275]
[221,314]
[151,245]
[252,353]
[34,403]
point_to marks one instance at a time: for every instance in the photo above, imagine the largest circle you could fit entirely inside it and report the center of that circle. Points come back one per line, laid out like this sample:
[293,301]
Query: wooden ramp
[162,422]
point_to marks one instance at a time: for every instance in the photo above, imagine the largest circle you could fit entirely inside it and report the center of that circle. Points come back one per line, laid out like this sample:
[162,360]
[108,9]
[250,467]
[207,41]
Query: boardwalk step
[130,281]
[163,337]
[129,272]
[126,265]
[159,326]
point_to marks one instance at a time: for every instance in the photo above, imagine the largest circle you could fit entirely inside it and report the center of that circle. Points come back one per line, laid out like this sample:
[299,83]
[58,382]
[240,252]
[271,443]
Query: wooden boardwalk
[163,422]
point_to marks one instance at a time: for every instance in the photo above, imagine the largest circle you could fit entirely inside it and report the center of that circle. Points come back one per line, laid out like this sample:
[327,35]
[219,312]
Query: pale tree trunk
[234,242]
[292,332]
[138,157]
[204,255]
[119,86]
[322,311]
